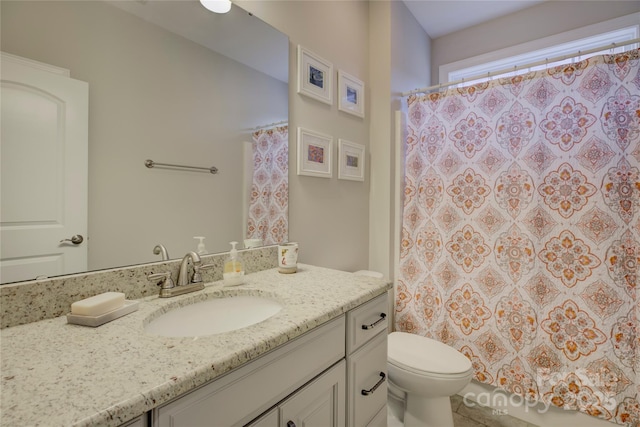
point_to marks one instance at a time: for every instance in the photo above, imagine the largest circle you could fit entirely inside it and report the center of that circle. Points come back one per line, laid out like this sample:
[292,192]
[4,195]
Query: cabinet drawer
[367,368]
[366,321]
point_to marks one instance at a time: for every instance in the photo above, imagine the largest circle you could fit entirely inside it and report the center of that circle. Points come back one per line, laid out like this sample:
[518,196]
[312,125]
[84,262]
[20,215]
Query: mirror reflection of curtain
[520,234]
[269,204]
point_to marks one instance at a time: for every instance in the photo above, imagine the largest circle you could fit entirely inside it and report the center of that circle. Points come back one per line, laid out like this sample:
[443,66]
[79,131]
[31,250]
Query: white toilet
[423,374]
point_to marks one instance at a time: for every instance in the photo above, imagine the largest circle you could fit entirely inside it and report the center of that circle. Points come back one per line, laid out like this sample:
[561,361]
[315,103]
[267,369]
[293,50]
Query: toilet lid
[421,354]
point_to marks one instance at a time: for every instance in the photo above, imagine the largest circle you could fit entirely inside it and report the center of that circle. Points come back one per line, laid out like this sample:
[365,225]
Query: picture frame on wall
[315,76]
[350,94]
[351,160]
[314,154]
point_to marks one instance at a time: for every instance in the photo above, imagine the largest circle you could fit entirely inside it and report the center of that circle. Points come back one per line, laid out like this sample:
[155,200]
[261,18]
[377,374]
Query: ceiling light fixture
[217,6]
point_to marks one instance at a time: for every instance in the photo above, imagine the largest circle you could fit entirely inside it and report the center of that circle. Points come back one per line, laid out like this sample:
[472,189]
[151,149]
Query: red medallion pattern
[514,253]
[571,392]
[621,190]
[515,129]
[572,331]
[515,379]
[467,310]
[514,190]
[597,225]
[567,123]
[470,135]
[595,85]
[539,222]
[468,191]
[623,261]
[430,190]
[521,230]
[595,154]
[620,119]
[430,302]
[516,320]
[566,190]
[568,258]
[467,248]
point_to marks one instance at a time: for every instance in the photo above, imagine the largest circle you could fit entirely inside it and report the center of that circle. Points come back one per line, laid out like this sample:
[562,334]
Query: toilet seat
[425,356]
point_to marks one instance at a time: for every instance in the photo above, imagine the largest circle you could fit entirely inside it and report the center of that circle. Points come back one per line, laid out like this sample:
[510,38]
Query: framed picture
[351,160]
[314,154]
[350,94]
[315,76]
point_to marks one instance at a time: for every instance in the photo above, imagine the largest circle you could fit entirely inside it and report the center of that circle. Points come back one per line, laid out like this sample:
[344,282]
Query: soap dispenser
[233,273]
[201,248]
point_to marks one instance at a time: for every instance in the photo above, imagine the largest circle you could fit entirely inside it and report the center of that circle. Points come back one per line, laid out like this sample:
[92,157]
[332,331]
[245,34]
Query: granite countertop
[58,374]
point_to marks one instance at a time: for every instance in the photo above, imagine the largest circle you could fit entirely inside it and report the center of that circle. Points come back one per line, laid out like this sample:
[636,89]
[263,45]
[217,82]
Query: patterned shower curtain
[520,232]
[269,204]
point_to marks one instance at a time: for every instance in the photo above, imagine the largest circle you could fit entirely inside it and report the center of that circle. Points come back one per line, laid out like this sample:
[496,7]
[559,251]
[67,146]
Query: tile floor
[477,416]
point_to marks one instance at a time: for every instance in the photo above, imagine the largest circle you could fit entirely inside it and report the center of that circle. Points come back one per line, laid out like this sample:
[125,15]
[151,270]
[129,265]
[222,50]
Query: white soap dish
[93,321]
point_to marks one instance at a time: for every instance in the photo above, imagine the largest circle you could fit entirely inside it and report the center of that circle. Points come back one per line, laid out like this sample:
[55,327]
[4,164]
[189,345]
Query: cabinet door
[321,403]
[367,390]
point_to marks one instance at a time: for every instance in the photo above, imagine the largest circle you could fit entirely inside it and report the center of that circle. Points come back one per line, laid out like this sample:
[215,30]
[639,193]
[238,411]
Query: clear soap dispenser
[202,250]
[233,272]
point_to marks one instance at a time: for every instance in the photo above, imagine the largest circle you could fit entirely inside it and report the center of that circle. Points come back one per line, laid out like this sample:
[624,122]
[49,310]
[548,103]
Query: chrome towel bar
[150,163]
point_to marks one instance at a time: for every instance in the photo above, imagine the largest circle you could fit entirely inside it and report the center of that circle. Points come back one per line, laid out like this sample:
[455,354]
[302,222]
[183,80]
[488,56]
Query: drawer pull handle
[374,324]
[375,387]
[291,424]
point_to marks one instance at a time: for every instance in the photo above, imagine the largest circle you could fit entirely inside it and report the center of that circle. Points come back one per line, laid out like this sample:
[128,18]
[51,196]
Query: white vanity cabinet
[367,364]
[248,391]
[314,380]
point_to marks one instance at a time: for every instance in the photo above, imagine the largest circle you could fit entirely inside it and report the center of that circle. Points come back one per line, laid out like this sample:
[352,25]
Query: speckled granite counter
[56,374]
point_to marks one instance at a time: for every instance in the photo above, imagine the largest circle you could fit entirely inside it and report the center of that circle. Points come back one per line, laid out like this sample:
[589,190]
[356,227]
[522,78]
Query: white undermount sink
[213,316]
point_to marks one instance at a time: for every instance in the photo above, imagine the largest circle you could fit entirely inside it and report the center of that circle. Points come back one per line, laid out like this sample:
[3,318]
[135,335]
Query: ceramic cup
[288,258]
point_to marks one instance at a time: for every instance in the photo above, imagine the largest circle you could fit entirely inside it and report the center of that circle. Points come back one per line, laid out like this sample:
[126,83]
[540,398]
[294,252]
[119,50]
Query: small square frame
[314,154]
[351,160]
[350,94]
[315,76]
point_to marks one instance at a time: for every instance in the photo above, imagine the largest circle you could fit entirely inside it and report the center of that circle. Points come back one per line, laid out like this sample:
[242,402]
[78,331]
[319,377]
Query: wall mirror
[167,81]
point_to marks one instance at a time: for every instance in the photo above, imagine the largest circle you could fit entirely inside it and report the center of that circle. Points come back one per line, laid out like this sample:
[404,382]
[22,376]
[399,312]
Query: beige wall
[328,217]
[153,95]
[545,19]
[399,62]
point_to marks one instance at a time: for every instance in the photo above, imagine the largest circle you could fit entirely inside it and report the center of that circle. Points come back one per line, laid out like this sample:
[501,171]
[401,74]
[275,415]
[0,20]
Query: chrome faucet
[183,274]
[185,284]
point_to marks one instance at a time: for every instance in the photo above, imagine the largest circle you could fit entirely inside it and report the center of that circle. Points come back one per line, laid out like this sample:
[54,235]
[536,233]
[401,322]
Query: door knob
[75,239]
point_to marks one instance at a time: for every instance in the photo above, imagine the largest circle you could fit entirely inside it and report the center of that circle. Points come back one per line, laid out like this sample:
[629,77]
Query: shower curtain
[520,232]
[269,201]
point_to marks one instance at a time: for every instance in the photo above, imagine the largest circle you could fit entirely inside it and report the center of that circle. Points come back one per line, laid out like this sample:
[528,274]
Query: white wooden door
[43,174]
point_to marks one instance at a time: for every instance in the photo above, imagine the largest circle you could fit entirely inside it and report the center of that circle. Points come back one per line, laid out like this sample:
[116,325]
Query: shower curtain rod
[519,67]
[282,122]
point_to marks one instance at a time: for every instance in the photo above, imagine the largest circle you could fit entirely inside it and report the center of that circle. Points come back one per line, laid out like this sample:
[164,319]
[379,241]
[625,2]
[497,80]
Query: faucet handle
[164,279]
[197,277]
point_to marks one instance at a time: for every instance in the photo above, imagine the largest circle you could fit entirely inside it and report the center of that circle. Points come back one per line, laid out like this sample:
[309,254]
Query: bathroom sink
[213,316]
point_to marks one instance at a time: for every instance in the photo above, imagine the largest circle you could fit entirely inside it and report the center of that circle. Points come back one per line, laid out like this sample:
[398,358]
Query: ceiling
[441,17]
